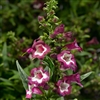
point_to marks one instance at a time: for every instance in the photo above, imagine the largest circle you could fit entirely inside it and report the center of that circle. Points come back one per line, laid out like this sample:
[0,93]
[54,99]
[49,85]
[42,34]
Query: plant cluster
[55,49]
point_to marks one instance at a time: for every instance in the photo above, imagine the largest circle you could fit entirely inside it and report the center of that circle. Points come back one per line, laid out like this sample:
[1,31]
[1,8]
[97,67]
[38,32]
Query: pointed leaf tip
[85,75]
[23,75]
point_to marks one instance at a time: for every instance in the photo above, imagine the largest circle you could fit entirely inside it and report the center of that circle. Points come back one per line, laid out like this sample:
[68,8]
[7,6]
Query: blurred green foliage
[19,27]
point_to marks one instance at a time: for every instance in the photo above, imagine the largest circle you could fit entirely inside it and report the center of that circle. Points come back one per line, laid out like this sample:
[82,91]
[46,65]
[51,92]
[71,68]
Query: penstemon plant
[57,69]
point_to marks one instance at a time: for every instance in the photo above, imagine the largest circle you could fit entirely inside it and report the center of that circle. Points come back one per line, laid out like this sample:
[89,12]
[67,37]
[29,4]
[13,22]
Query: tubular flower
[67,60]
[58,30]
[29,50]
[40,49]
[68,36]
[63,86]
[93,41]
[29,92]
[38,76]
[32,90]
[73,78]
[36,90]
[73,45]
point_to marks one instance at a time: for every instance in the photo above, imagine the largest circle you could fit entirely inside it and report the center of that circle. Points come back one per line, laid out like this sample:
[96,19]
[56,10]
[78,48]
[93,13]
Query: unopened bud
[52,12]
[55,19]
[40,18]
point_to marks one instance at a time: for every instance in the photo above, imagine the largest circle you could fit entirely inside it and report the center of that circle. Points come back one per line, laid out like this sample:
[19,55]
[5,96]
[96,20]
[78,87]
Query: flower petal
[67,60]
[73,45]
[28,94]
[36,90]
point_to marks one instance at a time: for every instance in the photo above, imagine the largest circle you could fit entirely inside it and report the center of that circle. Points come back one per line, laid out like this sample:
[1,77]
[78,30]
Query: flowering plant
[53,77]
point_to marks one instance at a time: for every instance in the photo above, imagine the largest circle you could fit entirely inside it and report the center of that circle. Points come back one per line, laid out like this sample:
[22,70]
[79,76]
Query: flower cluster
[63,86]
[39,77]
[63,61]
[58,45]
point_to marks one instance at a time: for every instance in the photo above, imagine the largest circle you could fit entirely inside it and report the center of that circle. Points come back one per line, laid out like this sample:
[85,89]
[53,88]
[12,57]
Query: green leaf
[22,74]
[61,98]
[5,82]
[20,29]
[85,75]
[4,53]
[50,65]
[84,53]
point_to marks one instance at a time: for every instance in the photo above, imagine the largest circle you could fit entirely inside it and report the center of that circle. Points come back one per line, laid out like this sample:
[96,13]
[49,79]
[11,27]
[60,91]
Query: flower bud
[40,18]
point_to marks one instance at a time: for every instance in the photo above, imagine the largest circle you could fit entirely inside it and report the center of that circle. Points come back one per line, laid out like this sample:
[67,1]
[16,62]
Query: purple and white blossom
[32,89]
[67,60]
[40,49]
[38,76]
[73,78]
[63,86]
[29,92]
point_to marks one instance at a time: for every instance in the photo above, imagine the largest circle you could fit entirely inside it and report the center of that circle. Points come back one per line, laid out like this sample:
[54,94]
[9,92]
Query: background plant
[81,17]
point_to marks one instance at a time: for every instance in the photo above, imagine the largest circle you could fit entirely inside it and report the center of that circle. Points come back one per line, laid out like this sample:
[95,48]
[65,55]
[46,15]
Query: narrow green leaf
[22,74]
[20,29]
[5,82]
[4,53]
[50,65]
[61,98]
[85,75]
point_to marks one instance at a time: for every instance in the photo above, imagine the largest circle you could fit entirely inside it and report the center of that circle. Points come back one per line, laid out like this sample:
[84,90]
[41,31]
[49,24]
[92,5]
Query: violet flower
[38,4]
[63,86]
[67,60]
[36,90]
[74,78]
[32,89]
[40,18]
[38,76]
[93,41]
[29,92]
[68,36]
[59,29]
[73,45]
[40,49]
[29,50]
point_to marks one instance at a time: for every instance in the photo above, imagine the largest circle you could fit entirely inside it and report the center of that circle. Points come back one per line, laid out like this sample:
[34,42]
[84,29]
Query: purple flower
[28,94]
[29,50]
[45,86]
[63,86]
[59,29]
[40,18]
[68,36]
[40,49]
[73,45]
[93,41]
[67,60]
[73,78]
[38,76]
[32,89]
[36,90]
[53,55]
[38,5]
